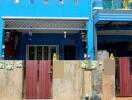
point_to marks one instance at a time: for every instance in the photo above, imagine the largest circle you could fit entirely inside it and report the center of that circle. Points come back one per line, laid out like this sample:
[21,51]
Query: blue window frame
[31,1]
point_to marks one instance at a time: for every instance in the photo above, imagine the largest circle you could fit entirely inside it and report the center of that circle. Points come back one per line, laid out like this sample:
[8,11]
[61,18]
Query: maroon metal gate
[125,76]
[38,82]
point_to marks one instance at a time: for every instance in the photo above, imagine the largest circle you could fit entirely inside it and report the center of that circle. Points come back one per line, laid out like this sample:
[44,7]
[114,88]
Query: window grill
[31,1]
[44,25]
[42,52]
[46,1]
[75,1]
[61,1]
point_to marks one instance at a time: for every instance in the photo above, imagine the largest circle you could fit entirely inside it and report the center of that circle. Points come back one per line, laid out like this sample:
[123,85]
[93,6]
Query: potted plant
[125,4]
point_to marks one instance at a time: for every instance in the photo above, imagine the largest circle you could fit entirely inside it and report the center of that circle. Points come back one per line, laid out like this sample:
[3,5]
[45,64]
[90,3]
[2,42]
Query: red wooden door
[38,81]
[45,75]
[31,79]
[125,77]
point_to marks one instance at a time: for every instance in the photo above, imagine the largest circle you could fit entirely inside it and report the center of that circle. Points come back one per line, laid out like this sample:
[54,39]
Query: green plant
[125,3]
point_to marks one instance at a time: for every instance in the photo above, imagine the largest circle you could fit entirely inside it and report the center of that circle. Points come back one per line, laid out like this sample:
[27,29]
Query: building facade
[32,28]
[112,20]
[40,30]
[71,29]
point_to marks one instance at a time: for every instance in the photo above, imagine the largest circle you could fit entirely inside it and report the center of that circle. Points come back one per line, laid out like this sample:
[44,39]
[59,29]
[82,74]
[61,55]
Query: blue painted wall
[50,39]
[52,9]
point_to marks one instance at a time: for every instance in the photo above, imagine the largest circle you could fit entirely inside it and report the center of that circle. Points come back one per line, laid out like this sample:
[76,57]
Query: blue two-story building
[36,29]
[113,25]
[72,29]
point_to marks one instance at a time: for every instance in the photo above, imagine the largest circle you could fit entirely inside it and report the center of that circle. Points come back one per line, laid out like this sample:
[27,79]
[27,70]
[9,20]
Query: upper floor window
[46,1]
[31,1]
[16,1]
[61,1]
[75,1]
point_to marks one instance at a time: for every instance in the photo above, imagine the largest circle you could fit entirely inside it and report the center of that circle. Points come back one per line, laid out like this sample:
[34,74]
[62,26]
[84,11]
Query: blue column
[90,32]
[90,40]
[1,37]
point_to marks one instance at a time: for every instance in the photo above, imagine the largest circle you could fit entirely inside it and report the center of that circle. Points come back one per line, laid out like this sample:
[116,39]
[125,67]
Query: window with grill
[75,1]
[16,1]
[31,1]
[45,1]
[41,52]
[45,52]
[61,1]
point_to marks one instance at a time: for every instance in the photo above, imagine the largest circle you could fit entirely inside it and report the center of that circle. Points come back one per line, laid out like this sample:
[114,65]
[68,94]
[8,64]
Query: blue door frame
[1,37]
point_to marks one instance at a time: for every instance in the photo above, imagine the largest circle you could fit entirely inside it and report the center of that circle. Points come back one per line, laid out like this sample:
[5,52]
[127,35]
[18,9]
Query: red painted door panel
[38,82]
[31,80]
[125,76]
[44,87]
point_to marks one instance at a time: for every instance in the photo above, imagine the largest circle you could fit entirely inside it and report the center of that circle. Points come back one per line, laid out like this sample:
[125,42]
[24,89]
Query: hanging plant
[125,4]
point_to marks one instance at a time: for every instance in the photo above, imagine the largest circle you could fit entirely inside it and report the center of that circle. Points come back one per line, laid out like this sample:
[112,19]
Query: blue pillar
[1,37]
[90,40]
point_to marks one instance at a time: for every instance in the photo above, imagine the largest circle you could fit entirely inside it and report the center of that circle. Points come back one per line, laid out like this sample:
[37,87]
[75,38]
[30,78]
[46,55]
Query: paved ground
[124,98]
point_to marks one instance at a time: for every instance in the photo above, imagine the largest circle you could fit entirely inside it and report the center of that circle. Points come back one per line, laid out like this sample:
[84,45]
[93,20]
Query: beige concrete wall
[108,84]
[11,83]
[73,82]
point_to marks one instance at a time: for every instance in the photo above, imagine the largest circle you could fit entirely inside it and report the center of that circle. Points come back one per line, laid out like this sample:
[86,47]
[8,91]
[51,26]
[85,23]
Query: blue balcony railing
[113,4]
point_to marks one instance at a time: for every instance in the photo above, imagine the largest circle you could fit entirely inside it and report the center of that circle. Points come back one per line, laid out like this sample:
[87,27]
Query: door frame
[27,50]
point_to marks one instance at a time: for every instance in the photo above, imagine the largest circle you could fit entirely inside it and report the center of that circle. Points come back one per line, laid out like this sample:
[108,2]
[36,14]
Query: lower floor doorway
[70,52]
[42,52]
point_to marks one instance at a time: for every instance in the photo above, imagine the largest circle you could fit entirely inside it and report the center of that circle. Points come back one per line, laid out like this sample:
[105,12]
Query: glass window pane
[31,53]
[39,52]
[45,52]
[75,1]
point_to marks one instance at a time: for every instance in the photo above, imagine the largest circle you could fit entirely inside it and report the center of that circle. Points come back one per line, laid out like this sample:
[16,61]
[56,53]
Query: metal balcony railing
[117,4]
[113,4]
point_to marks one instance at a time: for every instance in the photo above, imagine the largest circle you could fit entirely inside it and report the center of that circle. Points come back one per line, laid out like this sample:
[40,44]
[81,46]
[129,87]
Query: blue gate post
[1,37]
[90,40]
[90,32]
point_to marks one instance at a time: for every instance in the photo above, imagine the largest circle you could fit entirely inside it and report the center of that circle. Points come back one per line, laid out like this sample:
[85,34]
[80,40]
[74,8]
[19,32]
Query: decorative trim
[47,18]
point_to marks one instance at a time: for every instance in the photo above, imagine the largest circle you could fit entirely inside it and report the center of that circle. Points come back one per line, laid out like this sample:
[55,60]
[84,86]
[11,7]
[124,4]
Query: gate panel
[31,79]
[125,76]
[44,87]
